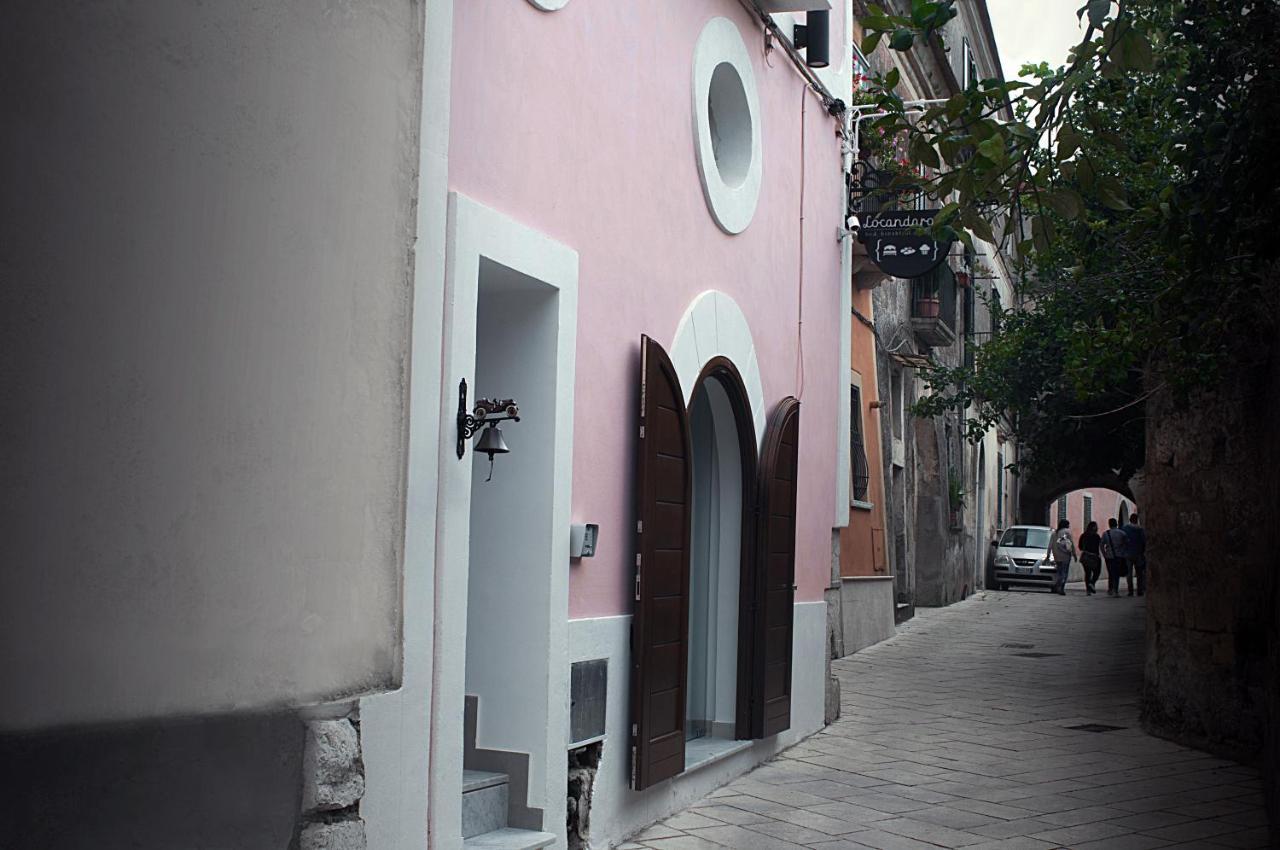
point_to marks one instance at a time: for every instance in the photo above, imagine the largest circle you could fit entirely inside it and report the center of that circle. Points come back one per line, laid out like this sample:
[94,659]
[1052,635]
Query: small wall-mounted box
[582,540]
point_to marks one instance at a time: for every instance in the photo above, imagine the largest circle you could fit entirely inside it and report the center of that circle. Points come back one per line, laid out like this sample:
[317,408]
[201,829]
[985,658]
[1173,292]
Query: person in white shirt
[1062,551]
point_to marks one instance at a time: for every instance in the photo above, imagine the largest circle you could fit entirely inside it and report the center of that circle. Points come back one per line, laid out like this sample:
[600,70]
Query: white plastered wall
[394,726]
[476,231]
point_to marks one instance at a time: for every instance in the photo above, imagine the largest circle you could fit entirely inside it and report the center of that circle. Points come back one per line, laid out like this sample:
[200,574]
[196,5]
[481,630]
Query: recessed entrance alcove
[724,457]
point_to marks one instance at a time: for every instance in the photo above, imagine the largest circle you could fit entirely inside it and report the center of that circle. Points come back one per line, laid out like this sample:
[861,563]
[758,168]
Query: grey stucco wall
[205,281]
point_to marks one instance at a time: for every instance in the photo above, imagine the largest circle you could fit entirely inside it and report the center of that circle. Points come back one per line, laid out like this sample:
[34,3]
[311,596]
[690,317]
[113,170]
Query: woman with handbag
[1090,558]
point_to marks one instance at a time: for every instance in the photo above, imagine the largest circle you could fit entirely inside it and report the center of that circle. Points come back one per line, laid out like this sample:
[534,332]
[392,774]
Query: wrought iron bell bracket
[485,412]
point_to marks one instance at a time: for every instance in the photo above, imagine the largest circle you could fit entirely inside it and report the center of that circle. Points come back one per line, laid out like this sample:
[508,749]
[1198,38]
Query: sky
[1034,31]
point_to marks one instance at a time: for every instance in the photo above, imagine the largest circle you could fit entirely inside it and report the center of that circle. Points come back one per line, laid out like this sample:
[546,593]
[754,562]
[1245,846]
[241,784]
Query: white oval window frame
[732,206]
[549,5]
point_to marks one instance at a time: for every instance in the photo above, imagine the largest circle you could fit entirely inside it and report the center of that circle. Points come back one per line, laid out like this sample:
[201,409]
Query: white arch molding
[713,325]
[730,161]
[549,5]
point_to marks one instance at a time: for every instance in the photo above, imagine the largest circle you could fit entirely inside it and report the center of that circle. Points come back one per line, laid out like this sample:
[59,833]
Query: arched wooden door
[775,571]
[660,622]
[659,627]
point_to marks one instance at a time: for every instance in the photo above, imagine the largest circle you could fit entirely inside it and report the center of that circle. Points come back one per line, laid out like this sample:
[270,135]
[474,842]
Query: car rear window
[1026,538]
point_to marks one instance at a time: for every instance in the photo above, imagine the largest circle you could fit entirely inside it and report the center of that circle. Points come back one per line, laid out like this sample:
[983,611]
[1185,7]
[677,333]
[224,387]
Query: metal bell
[491,442]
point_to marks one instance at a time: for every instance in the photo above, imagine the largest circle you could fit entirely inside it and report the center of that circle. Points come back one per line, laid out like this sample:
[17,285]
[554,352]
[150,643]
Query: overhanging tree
[1140,175]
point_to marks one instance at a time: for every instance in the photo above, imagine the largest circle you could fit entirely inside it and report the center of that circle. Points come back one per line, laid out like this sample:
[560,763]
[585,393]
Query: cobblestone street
[1007,721]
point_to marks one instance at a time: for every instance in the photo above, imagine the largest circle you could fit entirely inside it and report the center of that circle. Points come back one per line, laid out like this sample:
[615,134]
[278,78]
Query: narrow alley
[1006,721]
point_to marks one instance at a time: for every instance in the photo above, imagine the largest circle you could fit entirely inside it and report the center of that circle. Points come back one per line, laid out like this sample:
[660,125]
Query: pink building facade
[1097,505]
[644,251]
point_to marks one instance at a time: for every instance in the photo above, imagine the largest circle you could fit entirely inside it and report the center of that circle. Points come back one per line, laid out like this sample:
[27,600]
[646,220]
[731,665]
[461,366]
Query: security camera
[854,224]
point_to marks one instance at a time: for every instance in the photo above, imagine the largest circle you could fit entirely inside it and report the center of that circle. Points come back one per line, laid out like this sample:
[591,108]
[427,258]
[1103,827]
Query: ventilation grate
[1037,654]
[1095,727]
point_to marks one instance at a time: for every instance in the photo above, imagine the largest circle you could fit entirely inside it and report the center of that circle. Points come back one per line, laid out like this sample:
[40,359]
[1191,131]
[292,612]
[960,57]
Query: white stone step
[509,839]
[475,780]
[484,802]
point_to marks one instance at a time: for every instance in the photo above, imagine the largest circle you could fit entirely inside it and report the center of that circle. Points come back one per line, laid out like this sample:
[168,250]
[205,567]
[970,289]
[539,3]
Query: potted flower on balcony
[928,306]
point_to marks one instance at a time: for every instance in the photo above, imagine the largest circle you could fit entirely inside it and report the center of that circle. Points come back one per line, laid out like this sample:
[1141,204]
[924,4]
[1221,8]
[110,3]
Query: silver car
[1022,558]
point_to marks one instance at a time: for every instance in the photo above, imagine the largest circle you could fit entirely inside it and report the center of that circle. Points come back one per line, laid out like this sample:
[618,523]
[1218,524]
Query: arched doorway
[724,467]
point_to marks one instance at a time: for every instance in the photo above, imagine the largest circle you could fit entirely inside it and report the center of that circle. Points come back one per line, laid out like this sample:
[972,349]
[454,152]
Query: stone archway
[1037,493]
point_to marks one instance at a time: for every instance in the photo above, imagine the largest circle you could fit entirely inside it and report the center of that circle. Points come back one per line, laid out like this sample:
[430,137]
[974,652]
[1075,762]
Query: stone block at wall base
[867,610]
[342,835]
[831,711]
[332,780]
[333,772]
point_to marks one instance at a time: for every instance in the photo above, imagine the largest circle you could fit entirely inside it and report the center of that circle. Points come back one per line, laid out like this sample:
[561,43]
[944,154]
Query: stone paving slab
[950,736]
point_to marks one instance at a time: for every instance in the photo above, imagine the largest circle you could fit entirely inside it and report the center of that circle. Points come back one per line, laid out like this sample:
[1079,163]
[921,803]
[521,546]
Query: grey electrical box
[588,698]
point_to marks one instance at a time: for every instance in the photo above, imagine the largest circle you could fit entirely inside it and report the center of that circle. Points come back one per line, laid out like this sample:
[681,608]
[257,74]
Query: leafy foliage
[1136,187]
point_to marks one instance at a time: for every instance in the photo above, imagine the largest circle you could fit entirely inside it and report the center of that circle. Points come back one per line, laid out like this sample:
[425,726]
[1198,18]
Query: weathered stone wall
[1210,509]
[1271,751]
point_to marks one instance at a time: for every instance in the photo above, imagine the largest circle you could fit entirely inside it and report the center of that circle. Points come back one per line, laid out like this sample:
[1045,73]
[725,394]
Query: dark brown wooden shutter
[776,571]
[660,624]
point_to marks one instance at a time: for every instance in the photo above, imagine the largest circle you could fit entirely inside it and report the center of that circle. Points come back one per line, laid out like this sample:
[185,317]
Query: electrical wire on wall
[804,102]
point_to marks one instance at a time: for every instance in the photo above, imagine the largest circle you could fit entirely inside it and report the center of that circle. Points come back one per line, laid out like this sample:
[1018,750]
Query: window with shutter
[659,627]
[775,571]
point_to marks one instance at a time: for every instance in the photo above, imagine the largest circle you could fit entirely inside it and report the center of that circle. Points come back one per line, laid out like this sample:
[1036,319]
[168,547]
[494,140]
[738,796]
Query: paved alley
[1007,721]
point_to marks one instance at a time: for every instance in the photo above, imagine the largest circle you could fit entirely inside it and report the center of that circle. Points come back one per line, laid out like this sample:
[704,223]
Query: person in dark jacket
[1137,539]
[1113,552]
[1090,558]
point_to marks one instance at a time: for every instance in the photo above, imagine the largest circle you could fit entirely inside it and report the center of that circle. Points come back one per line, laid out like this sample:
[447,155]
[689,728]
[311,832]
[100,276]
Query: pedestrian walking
[1090,558]
[1137,543]
[1113,552]
[1062,550]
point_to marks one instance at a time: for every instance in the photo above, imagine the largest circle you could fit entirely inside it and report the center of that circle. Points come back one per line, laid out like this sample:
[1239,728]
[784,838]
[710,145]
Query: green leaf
[993,149]
[956,105]
[1064,202]
[1111,193]
[1020,129]
[1086,175]
[1098,10]
[870,42]
[1068,142]
[923,153]
[891,79]
[1136,52]
[977,224]
[1042,233]
[902,39]
[946,214]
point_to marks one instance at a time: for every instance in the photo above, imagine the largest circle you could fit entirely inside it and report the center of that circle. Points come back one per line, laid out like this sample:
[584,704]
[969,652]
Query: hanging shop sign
[900,243]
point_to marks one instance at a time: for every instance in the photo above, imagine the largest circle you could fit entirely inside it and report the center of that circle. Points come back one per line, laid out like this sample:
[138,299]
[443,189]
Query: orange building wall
[862,543]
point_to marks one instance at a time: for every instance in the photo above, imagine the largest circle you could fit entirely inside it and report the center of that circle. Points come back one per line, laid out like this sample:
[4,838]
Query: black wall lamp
[814,37]
[487,413]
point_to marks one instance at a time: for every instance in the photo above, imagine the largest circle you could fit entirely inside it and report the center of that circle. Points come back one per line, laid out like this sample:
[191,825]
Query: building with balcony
[933,307]
[944,498]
